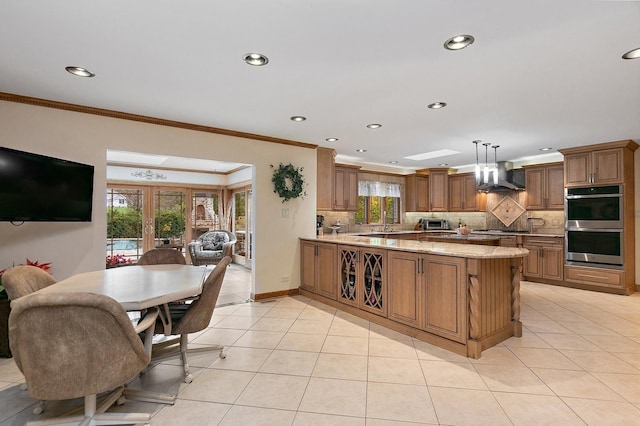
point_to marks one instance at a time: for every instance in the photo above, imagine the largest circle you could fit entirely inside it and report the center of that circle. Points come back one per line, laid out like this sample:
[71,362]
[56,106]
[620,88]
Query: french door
[140,218]
[241,205]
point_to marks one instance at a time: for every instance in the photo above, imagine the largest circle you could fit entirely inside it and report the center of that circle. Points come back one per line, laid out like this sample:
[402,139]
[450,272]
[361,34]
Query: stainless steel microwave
[431,223]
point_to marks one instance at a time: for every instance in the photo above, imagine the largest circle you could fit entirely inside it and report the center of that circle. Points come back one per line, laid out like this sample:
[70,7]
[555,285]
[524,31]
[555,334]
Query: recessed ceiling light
[298,118]
[437,105]
[393,162]
[256,59]
[361,150]
[79,71]
[443,164]
[459,42]
[374,126]
[331,139]
[632,54]
[546,149]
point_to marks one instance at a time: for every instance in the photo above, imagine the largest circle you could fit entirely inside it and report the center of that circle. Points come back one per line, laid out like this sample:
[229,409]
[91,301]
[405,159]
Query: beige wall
[80,247]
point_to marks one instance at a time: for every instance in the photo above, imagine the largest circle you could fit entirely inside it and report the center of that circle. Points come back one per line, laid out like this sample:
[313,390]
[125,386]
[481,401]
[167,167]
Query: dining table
[137,287]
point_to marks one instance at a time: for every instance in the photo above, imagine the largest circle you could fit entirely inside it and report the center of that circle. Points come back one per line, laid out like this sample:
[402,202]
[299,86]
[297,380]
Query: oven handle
[576,229]
[578,197]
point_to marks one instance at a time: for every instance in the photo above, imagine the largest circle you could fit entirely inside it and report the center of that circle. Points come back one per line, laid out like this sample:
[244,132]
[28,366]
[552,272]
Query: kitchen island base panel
[492,309]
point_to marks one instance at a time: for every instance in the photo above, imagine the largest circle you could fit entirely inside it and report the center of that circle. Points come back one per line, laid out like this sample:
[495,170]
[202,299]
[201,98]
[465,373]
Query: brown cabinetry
[428,292]
[545,259]
[601,164]
[444,297]
[463,195]
[603,278]
[439,190]
[325,177]
[318,263]
[417,193]
[406,284]
[545,187]
[345,188]
[363,278]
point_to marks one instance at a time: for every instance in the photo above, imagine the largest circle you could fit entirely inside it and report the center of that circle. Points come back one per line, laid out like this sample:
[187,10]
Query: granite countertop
[476,237]
[443,249]
[474,232]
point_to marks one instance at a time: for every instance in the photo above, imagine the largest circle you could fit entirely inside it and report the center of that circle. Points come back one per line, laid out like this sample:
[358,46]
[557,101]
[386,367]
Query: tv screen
[35,187]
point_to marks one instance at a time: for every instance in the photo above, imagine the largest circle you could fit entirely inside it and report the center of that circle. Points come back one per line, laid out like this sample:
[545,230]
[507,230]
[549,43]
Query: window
[378,203]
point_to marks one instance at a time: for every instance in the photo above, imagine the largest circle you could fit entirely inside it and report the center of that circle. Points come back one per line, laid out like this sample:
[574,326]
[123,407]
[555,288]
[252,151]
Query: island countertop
[443,249]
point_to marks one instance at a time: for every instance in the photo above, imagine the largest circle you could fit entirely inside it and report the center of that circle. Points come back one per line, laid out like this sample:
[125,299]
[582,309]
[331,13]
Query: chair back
[73,344]
[162,256]
[198,316]
[25,279]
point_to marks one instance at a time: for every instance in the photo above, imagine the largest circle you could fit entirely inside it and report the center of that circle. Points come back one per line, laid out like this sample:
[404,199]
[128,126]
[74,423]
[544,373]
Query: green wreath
[288,182]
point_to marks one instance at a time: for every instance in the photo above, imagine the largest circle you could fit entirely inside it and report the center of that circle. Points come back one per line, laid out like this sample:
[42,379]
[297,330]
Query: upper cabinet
[601,164]
[439,190]
[545,186]
[345,188]
[325,177]
[463,196]
[417,193]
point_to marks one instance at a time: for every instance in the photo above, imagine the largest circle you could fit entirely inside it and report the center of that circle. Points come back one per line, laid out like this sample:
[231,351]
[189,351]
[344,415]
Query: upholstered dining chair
[190,318]
[75,345]
[162,256]
[25,279]
[20,281]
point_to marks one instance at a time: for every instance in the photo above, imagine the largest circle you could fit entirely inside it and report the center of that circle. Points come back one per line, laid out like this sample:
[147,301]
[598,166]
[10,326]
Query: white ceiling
[127,158]
[540,74]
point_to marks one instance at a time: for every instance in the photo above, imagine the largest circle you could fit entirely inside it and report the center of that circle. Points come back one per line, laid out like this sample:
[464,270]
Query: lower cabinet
[428,292]
[545,259]
[597,277]
[362,278]
[318,264]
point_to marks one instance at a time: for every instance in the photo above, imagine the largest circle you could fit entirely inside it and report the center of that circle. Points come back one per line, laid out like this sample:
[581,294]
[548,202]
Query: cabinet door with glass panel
[362,281]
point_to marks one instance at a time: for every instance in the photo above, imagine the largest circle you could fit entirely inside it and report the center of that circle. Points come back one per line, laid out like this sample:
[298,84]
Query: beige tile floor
[293,361]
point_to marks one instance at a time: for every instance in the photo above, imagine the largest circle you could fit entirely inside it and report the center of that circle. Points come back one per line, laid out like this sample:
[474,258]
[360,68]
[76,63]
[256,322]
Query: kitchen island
[462,297]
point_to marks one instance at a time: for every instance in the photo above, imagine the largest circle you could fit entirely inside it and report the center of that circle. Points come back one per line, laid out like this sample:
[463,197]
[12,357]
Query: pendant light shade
[486,162]
[477,164]
[495,162]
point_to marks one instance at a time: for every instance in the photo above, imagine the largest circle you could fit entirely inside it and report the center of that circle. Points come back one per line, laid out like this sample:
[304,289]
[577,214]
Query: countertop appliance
[429,223]
[319,224]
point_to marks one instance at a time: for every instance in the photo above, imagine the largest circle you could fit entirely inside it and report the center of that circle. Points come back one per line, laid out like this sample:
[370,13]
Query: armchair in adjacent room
[211,247]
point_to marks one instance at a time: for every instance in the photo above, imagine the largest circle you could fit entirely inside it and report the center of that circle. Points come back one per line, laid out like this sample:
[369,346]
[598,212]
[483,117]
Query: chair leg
[184,340]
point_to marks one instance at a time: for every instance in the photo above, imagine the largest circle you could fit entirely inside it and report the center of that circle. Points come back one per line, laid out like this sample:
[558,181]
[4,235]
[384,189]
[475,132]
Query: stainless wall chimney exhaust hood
[508,179]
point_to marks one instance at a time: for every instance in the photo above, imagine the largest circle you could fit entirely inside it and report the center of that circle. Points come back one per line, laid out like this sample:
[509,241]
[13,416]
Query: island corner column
[493,302]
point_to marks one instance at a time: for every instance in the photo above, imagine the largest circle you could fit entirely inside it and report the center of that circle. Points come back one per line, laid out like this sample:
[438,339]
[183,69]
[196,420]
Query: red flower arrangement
[116,260]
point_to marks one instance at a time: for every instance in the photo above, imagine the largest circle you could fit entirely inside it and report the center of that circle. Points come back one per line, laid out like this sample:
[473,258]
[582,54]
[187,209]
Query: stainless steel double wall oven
[594,231]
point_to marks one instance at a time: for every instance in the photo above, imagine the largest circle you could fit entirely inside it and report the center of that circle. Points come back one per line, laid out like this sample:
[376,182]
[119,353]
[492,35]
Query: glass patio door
[169,207]
[125,225]
[241,226]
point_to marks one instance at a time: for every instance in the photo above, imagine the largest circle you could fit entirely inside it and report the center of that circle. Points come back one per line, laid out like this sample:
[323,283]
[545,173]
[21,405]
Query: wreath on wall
[288,182]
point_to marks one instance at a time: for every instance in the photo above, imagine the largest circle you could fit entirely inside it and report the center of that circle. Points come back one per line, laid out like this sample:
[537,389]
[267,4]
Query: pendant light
[477,163]
[495,161]
[486,162]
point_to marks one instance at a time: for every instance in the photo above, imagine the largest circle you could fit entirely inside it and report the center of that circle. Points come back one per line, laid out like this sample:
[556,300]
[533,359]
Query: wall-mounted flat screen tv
[35,187]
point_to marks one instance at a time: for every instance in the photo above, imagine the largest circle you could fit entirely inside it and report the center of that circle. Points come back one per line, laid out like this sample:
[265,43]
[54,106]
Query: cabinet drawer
[544,242]
[596,276]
